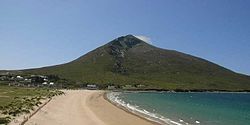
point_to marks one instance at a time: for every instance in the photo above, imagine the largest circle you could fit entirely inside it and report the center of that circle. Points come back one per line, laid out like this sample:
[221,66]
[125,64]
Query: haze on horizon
[43,33]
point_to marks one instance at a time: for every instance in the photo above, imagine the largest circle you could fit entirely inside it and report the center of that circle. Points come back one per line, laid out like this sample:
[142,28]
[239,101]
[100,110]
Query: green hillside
[129,60]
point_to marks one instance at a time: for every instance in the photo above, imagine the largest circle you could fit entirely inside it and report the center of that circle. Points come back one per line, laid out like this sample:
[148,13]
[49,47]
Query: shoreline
[156,119]
[136,107]
[128,111]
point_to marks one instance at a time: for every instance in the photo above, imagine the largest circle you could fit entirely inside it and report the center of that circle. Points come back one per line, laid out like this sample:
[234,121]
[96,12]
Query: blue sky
[35,33]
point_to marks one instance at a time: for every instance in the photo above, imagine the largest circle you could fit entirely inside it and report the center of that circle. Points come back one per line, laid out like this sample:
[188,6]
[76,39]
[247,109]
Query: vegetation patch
[22,100]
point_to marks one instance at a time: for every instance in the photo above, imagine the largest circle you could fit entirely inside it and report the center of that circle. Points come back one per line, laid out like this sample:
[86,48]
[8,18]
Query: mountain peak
[129,38]
[139,37]
[126,42]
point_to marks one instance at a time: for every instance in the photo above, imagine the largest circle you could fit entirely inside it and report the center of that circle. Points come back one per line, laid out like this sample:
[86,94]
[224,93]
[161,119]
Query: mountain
[129,60]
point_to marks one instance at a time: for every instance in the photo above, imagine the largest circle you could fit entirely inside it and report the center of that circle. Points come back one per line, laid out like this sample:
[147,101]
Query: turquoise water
[190,108]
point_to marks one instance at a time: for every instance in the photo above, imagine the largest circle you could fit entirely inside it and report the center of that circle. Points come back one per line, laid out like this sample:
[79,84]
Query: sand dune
[83,107]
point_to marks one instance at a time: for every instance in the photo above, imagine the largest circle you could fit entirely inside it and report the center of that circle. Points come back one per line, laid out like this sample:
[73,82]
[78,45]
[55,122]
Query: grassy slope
[149,65]
[184,71]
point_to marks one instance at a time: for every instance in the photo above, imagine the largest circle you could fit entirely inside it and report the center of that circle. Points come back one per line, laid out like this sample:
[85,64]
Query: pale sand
[83,107]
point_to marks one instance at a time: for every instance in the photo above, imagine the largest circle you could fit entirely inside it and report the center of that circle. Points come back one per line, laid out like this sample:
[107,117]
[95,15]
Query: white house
[91,86]
[19,77]
[45,83]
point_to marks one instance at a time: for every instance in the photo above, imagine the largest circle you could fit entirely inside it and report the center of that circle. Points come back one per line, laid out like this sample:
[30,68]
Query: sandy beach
[83,107]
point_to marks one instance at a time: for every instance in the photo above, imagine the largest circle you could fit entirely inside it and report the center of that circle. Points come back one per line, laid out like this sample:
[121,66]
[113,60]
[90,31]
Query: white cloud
[144,38]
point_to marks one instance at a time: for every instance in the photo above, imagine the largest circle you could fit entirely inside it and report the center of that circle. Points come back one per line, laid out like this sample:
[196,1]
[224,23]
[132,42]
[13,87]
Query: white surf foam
[114,97]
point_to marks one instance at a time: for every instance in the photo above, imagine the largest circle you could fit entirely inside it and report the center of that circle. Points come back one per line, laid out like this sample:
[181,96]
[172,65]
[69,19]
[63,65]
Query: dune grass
[18,100]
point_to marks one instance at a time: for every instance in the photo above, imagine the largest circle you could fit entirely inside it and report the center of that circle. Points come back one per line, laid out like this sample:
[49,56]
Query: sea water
[171,108]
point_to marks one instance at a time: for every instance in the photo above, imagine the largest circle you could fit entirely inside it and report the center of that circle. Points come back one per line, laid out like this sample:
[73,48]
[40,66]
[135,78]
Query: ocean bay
[206,108]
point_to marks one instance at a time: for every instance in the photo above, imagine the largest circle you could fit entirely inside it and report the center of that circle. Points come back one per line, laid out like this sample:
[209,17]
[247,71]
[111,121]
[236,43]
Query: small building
[92,87]
[19,77]
[140,86]
[51,83]
[45,83]
[111,87]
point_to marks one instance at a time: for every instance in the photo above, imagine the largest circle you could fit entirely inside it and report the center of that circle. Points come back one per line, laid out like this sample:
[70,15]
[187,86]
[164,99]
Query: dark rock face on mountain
[118,48]
[129,60]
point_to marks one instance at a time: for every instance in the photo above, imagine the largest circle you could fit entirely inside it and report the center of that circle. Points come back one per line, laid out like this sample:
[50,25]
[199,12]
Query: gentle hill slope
[129,60]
